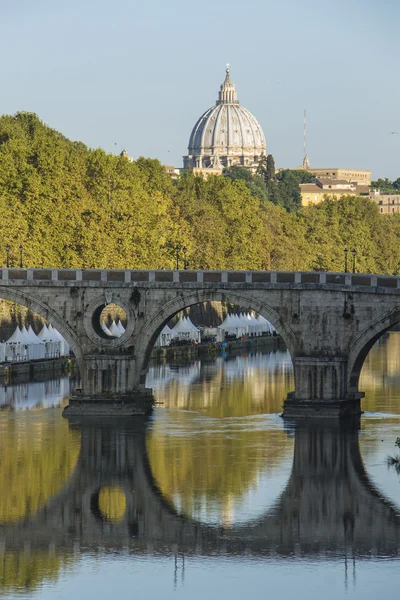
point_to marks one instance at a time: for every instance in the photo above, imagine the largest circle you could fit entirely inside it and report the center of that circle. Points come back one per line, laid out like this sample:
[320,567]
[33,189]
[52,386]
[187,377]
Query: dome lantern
[226,134]
[227,93]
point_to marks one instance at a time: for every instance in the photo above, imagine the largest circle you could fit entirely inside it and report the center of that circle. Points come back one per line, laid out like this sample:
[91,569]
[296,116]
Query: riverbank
[35,370]
[167,353]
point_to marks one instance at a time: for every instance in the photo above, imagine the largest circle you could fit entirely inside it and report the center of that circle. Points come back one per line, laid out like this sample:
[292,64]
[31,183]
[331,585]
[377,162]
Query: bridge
[329,322]
[329,506]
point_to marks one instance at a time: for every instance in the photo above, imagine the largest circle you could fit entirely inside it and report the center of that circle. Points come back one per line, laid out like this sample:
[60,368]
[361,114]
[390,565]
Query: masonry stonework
[329,321]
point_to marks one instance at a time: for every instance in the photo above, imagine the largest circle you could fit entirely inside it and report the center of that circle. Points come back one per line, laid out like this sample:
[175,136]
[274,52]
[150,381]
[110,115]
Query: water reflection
[111,501]
[213,476]
[380,376]
[36,394]
[242,385]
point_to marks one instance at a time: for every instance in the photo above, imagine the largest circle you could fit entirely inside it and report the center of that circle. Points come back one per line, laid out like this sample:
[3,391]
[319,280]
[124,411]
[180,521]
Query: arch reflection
[329,506]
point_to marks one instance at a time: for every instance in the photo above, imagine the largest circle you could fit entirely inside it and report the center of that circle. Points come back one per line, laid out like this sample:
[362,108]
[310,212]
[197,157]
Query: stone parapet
[192,279]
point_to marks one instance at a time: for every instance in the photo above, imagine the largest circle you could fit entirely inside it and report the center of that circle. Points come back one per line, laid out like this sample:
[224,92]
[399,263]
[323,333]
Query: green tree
[385,186]
[254,182]
[70,206]
[270,170]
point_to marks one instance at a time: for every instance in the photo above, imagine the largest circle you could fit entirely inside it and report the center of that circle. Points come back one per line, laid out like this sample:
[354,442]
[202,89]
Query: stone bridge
[329,506]
[329,322]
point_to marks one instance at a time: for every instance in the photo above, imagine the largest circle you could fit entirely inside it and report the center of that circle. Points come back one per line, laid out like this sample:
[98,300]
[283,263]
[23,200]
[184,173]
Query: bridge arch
[154,324]
[42,309]
[363,344]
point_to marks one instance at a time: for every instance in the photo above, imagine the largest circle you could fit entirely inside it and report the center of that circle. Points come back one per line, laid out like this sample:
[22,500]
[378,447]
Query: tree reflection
[211,452]
[112,503]
[29,473]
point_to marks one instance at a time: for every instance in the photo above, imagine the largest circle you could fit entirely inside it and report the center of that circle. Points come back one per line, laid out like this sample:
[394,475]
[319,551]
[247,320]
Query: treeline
[70,206]
[281,188]
[386,186]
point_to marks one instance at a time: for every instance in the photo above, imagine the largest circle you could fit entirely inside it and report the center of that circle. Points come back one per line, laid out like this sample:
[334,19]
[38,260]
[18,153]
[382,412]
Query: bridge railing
[103,276]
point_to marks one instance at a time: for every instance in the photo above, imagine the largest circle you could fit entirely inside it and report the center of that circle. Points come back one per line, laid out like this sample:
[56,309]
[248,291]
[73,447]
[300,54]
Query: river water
[214,496]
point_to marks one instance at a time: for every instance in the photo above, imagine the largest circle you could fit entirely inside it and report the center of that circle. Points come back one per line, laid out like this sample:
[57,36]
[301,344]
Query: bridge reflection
[111,503]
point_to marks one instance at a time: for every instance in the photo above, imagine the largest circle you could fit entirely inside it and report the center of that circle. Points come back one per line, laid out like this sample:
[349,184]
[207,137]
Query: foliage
[351,222]
[386,186]
[254,183]
[289,188]
[71,206]
[26,571]
[31,475]
[195,471]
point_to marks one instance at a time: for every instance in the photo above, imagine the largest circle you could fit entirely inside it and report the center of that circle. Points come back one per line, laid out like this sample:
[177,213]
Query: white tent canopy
[105,329]
[36,349]
[243,324]
[16,347]
[165,337]
[232,325]
[17,337]
[53,345]
[120,327]
[64,346]
[25,345]
[33,335]
[183,330]
[115,332]
[197,333]
[265,326]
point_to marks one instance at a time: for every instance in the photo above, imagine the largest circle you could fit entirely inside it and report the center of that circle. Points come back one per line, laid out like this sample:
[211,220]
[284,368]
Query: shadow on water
[112,502]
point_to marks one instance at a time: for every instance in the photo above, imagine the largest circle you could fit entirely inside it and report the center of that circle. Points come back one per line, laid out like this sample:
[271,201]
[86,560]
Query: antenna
[306,162]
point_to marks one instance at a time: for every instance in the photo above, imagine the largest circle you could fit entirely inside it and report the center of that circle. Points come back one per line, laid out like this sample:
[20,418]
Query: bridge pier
[321,389]
[108,388]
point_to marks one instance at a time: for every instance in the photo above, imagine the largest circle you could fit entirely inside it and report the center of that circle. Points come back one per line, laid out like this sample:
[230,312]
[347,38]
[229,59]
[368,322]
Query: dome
[226,134]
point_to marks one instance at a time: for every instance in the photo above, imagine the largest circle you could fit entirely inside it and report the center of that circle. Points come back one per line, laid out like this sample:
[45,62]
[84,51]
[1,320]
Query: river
[214,496]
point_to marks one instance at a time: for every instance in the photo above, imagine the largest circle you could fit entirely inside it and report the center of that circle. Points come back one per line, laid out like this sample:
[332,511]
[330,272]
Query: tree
[254,182]
[289,188]
[270,169]
[385,186]
[70,206]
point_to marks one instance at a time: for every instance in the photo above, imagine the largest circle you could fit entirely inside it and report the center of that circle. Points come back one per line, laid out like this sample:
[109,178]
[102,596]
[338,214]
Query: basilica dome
[226,134]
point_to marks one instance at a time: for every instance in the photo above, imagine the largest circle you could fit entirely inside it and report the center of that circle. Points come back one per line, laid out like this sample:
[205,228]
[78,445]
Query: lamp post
[8,256]
[20,256]
[354,252]
[346,251]
[177,249]
[185,264]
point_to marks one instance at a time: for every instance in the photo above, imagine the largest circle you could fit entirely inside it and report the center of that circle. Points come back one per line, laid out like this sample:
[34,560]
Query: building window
[307,197]
[392,209]
[382,210]
[316,198]
[380,202]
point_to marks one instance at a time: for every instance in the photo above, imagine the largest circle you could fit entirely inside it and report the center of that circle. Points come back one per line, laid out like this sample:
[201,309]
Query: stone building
[225,135]
[388,203]
[313,193]
[361,178]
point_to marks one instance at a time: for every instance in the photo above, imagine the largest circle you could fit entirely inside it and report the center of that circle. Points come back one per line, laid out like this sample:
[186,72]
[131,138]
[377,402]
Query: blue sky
[137,75]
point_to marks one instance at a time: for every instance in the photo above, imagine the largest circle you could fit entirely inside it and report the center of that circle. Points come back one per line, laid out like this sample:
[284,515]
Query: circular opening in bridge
[109,321]
[112,504]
